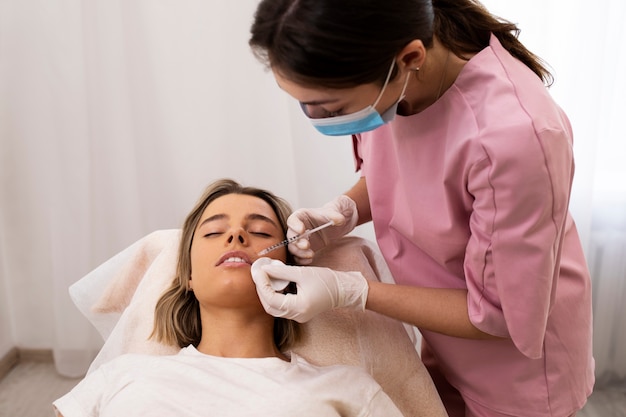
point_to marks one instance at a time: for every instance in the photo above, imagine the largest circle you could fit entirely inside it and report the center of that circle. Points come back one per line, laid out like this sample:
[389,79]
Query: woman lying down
[234,359]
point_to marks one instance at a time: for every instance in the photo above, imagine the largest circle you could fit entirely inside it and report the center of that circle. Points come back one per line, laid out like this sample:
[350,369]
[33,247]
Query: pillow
[120,295]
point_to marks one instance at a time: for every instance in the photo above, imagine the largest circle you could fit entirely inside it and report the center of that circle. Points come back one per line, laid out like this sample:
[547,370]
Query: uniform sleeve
[85,398]
[521,190]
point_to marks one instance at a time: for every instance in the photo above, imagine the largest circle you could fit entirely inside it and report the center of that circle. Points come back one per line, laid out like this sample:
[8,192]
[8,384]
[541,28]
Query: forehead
[239,205]
[298,91]
[319,95]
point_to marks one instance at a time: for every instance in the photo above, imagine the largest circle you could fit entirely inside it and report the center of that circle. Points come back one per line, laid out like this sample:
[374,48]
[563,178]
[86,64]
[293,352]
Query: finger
[291,233]
[259,276]
[303,244]
[305,254]
[336,217]
[290,307]
[297,251]
[263,279]
[295,225]
[270,299]
[303,261]
[301,252]
[285,272]
[272,302]
[256,265]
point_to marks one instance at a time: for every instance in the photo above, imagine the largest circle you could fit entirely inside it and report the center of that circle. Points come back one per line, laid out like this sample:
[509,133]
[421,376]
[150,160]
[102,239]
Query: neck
[443,76]
[232,334]
[437,75]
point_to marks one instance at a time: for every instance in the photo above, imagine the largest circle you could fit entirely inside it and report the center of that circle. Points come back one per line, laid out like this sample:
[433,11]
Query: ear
[412,56]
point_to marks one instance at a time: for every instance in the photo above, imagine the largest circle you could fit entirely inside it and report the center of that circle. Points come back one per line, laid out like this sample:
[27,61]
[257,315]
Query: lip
[234,254]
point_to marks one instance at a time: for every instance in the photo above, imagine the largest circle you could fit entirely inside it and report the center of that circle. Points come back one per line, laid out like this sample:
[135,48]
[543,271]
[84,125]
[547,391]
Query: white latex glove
[342,211]
[277,285]
[318,289]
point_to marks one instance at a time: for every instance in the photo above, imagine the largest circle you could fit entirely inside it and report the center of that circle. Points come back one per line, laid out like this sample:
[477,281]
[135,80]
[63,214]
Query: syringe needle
[294,238]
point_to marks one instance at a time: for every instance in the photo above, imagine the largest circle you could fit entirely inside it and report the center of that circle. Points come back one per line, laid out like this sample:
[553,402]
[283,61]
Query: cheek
[202,247]
[279,254]
[198,262]
[202,266]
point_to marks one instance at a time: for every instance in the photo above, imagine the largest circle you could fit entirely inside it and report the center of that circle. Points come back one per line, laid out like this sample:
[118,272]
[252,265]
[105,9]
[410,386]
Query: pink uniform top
[473,193]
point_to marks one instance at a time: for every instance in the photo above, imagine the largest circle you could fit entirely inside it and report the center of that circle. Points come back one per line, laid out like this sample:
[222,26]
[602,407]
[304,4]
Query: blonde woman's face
[231,232]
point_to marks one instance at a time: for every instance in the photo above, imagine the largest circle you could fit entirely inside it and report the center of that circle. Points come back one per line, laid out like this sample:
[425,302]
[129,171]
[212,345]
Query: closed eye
[261,234]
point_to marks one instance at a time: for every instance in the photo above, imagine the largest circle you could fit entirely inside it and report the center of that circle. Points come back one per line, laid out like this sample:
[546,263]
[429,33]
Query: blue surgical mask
[361,121]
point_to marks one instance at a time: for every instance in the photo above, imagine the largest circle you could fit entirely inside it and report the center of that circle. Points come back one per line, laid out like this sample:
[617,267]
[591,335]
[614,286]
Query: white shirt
[194,384]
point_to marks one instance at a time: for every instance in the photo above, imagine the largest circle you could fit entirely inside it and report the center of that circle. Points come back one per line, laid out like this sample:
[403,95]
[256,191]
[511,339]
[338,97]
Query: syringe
[294,238]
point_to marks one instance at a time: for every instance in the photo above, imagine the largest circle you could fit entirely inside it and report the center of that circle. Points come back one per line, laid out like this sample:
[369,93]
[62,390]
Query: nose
[238,235]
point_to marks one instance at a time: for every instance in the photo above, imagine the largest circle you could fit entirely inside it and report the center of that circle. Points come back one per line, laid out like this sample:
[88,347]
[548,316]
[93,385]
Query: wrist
[355,289]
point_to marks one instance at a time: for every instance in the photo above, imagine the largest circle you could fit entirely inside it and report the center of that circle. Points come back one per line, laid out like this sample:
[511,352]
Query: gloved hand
[342,211]
[278,285]
[318,289]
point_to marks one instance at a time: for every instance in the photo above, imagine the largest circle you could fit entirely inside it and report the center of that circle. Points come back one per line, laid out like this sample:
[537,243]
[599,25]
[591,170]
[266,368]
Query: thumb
[283,272]
[262,280]
[258,276]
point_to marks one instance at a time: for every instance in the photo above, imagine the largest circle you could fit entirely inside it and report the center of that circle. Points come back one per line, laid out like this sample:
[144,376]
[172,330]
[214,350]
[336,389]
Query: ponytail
[464,26]
[340,44]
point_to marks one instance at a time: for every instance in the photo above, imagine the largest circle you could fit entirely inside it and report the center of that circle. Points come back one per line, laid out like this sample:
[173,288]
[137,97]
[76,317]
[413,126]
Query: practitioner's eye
[314,111]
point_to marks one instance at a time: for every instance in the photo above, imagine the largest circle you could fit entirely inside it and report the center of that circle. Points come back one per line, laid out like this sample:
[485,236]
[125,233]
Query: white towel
[119,298]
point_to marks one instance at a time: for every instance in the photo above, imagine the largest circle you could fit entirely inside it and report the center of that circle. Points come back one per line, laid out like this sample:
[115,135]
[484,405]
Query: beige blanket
[119,298]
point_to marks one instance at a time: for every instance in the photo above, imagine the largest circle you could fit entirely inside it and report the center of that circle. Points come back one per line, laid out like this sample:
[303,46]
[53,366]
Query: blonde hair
[177,313]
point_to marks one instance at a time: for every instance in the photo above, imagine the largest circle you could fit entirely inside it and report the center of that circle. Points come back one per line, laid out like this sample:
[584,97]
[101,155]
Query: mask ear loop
[382,90]
[406,82]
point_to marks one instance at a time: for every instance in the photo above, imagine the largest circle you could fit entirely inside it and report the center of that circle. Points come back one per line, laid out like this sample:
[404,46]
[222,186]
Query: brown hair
[345,43]
[177,313]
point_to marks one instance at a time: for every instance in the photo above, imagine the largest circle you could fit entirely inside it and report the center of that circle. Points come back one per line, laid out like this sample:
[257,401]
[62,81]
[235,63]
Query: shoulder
[502,92]
[338,372]
[350,387]
[134,362]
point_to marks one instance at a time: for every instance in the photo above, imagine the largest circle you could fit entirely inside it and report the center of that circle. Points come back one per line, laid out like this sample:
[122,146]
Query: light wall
[7,335]
[261,139]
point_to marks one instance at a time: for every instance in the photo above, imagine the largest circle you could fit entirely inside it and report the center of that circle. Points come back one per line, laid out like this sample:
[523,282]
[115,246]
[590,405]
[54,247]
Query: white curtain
[114,115]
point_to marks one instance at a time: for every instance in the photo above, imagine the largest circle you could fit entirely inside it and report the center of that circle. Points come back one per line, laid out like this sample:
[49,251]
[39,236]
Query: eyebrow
[251,216]
[312,102]
[319,102]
